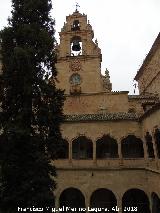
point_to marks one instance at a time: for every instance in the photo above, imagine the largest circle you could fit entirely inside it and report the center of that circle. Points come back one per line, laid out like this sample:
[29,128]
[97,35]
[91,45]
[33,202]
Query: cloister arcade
[133,200]
[107,147]
[81,190]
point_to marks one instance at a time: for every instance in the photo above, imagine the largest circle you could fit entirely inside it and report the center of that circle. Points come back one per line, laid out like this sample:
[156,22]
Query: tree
[31,107]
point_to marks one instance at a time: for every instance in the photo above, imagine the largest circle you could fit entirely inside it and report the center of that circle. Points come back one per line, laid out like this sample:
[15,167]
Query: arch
[76,25]
[106,147]
[76,46]
[135,200]
[63,150]
[73,198]
[76,38]
[150,150]
[82,148]
[157,141]
[155,203]
[103,198]
[132,147]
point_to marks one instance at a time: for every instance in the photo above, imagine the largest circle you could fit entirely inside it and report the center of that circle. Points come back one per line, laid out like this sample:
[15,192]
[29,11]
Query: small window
[76,25]
[75,79]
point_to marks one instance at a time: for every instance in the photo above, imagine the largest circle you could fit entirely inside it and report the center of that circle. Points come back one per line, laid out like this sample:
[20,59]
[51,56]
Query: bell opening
[76,46]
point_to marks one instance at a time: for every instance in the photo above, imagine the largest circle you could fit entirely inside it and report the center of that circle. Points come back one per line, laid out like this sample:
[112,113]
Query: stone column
[150,202]
[94,152]
[119,204]
[120,152]
[87,202]
[145,150]
[70,152]
[154,146]
[155,149]
[56,202]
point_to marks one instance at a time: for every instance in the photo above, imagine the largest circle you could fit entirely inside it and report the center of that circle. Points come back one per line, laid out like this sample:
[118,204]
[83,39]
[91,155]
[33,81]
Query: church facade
[110,157]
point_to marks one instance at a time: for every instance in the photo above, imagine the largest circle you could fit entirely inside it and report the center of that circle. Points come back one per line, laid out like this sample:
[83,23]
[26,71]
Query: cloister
[133,200]
[129,147]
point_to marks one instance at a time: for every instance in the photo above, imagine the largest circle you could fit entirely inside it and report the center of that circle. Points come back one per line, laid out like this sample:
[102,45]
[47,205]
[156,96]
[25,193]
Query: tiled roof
[103,117]
[146,96]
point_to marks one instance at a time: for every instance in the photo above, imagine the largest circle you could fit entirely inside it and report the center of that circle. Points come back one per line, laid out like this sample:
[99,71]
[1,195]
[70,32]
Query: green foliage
[32,107]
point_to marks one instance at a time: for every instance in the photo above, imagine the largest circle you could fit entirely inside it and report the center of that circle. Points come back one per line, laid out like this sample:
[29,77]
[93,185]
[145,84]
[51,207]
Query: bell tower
[79,58]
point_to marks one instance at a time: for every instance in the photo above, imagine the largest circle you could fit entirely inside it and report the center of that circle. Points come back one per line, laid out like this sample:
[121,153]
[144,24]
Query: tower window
[76,46]
[76,25]
[75,79]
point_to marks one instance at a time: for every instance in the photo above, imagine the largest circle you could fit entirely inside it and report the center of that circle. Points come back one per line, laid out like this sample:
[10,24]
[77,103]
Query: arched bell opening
[82,148]
[106,147]
[132,147]
[150,150]
[155,203]
[75,26]
[71,198]
[135,200]
[76,46]
[103,198]
[157,141]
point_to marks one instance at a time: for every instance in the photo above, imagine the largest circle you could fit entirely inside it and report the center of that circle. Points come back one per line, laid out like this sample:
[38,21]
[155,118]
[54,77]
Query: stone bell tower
[79,58]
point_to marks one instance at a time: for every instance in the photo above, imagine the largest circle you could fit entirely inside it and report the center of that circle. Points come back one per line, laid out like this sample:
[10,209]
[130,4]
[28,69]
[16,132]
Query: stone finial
[106,81]
[107,74]
[96,42]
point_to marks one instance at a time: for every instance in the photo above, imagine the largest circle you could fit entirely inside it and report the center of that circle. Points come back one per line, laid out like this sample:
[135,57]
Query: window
[75,79]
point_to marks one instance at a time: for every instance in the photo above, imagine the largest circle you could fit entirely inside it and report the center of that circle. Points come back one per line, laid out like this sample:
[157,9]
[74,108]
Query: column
[155,149]
[120,152]
[87,202]
[56,203]
[70,151]
[154,146]
[94,152]
[150,202]
[145,151]
[119,203]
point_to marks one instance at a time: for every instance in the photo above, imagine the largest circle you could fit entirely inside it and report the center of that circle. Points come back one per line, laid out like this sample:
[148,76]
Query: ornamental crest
[75,65]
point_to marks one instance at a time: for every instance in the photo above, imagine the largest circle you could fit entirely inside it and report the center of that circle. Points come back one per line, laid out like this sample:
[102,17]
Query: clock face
[75,79]
[75,65]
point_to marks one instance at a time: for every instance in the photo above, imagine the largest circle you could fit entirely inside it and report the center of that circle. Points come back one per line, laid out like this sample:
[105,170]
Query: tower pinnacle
[77,5]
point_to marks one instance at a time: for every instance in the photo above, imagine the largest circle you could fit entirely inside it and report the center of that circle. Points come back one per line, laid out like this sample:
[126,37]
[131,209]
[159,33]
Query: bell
[76,46]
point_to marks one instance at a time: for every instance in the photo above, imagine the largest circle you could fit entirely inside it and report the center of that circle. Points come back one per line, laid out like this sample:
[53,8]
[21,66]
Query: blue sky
[125,30]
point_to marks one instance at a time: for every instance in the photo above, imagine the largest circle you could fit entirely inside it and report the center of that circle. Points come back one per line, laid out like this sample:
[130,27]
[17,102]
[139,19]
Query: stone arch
[76,45]
[73,198]
[106,147]
[63,150]
[103,198]
[150,150]
[82,148]
[76,25]
[155,203]
[135,200]
[157,141]
[132,147]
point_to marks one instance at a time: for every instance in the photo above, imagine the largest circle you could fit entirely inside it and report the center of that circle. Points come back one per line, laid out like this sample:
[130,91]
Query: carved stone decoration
[75,65]
[106,81]
[75,90]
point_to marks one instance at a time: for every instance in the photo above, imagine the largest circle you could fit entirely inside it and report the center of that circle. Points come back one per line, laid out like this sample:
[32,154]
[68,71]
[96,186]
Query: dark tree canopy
[31,107]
